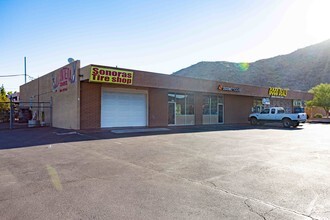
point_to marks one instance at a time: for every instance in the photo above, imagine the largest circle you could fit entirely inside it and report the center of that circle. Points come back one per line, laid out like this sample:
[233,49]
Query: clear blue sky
[159,36]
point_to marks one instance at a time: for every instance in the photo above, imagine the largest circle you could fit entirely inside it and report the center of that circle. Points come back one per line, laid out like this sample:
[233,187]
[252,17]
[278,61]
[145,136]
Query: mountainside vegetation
[301,70]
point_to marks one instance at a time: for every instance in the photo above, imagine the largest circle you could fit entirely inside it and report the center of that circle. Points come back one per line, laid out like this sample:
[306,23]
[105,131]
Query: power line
[12,75]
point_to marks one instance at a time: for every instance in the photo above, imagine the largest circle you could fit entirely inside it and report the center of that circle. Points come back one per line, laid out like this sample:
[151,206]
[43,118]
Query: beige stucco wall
[237,108]
[311,111]
[62,88]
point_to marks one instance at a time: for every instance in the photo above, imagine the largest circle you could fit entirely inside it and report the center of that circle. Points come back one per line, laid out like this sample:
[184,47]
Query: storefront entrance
[213,112]
[220,114]
[181,109]
[171,113]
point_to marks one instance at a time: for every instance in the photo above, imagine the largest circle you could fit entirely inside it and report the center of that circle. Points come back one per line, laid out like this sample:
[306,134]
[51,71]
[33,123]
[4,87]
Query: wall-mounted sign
[265,101]
[62,79]
[297,103]
[228,89]
[107,75]
[273,91]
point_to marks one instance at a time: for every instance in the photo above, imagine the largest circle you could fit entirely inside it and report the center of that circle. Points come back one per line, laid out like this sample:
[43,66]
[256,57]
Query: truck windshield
[266,111]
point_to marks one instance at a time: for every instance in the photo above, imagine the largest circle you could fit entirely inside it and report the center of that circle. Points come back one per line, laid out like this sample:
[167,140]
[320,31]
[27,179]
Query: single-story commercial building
[100,96]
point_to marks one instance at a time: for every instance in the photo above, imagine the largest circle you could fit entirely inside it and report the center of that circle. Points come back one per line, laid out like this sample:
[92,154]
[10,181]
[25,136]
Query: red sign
[62,79]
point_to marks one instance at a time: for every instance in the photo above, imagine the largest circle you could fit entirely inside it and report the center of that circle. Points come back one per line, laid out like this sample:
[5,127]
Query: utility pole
[11,115]
[24,69]
[38,98]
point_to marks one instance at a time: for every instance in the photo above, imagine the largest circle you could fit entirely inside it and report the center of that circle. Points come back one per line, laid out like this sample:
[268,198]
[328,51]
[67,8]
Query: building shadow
[29,137]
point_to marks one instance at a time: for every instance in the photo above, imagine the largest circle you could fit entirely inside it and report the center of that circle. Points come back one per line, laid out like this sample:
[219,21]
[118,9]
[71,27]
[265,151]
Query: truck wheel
[254,121]
[295,124]
[287,123]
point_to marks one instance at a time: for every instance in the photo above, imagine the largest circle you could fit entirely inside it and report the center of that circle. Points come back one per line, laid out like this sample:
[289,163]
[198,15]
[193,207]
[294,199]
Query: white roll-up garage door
[123,108]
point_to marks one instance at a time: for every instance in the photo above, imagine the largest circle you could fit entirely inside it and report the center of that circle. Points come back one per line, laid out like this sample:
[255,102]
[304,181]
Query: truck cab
[277,114]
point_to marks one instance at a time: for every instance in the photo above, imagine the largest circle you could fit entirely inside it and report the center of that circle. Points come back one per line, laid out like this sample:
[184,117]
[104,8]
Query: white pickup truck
[276,114]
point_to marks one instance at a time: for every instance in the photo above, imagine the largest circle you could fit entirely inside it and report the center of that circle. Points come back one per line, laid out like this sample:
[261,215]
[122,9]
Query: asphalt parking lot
[224,172]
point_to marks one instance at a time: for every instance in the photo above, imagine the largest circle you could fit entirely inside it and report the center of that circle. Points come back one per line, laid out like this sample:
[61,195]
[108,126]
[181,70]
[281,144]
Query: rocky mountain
[300,70]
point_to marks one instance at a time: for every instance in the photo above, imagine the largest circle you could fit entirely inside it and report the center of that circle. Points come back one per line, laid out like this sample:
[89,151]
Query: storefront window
[184,108]
[206,105]
[180,104]
[297,103]
[214,105]
[171,97]
[298,106]
[190,110]
[257,106]
[178,110]
[287,104]
[220,99]
[212,109]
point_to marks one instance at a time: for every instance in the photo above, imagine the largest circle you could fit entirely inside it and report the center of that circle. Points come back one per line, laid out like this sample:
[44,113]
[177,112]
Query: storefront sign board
[228,89]
[109,75]
[278,92]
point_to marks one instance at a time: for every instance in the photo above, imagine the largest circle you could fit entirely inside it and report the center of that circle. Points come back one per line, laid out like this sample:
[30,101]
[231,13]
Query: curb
[319,122]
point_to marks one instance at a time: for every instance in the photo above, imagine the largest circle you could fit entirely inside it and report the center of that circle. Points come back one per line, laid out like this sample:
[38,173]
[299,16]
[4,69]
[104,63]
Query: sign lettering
[273,91]
[107,75]
[228,89]
[62,79]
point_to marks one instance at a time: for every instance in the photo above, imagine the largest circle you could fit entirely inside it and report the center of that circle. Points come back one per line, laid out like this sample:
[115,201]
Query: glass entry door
[220,114]
[171,113]
[213,109]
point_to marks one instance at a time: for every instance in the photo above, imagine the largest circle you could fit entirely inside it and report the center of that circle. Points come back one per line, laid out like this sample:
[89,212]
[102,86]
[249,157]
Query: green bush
[318,115]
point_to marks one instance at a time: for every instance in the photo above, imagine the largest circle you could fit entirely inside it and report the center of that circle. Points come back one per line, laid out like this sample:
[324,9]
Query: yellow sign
[273,91]
[107,75]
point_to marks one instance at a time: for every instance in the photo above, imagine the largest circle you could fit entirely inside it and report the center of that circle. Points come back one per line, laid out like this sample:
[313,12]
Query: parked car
[277,114]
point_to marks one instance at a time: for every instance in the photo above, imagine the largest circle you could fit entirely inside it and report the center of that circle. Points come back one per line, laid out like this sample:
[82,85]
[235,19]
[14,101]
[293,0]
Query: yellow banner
[107,75]
[273,91]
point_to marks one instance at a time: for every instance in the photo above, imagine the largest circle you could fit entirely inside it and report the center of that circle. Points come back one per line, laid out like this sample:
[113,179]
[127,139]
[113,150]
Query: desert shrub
[318,115]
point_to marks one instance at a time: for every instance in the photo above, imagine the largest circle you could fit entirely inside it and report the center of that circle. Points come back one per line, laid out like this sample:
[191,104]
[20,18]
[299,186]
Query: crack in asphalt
[251,210]
[22,196]
[175,177]
[262,202]
[208,184]
[212,183]
[311,206]
[205,184]
[270,211]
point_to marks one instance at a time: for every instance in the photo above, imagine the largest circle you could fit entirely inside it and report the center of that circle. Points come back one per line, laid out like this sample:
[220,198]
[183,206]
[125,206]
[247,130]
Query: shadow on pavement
[28,137]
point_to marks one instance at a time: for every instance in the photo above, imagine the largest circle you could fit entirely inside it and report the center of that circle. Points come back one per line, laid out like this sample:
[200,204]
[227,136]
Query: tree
[321,97]
[3,98]
[3,95]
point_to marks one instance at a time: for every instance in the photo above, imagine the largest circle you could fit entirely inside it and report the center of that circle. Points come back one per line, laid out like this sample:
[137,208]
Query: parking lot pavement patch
[66,133]
[138,130]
